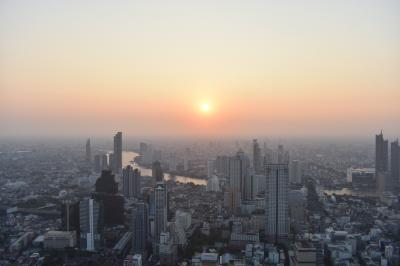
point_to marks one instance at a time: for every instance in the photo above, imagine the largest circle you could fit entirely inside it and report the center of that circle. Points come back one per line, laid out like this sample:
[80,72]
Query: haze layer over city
[224,133]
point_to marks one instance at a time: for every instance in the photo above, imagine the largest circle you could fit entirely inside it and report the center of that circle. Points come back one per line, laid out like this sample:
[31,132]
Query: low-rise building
[59,239]
[304,254]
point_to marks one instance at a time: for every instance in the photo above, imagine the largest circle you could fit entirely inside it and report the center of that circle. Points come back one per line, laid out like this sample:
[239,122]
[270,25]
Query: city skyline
[261,68]
[200,133]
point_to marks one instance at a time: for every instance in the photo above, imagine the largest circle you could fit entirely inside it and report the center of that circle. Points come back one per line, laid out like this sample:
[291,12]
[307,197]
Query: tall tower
[88,151]
[161,210]
[381,154]
[257,162]
[276,202]
[395,162]
[90,213]
[131,182]
[140,228]
[117,157]
[157,172]
[107,193]
[381,162]
[240,181]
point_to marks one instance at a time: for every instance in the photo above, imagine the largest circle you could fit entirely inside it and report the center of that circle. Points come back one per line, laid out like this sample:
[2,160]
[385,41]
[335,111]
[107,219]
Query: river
[128,156]
[350,192]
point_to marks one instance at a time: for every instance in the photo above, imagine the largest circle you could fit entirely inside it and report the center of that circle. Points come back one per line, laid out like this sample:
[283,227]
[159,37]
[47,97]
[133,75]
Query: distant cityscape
[245,202]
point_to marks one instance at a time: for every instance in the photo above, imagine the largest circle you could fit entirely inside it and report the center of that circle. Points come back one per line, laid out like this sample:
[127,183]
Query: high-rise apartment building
[140,229]
[239,178]
[160,210]
[131,179]
[276,202]
[222,166]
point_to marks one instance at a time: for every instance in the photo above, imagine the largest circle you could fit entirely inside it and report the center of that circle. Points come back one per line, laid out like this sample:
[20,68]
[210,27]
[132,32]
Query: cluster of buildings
[384,179]
[259,207]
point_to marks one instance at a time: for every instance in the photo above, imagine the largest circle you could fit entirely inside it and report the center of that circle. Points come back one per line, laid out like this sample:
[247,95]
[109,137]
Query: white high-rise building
[276,202]
[90,224]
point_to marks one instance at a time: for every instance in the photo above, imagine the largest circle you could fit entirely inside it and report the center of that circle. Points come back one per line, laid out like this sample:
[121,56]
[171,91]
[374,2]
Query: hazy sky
[329,68]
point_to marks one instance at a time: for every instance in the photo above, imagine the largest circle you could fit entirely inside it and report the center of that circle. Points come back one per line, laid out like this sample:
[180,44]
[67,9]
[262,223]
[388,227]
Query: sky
[265,68]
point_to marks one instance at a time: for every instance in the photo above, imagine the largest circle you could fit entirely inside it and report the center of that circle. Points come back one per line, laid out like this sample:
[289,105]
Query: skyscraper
[276,202]
[97,163]
[117,159]
[131,182]
[295,172]
[381,162]
[222,166]
[157,172]
[395,163]
[107,194]
[381,154]
[88,151]
[257,161]
[161,210]
[240,183]
[91,224]
[140,228]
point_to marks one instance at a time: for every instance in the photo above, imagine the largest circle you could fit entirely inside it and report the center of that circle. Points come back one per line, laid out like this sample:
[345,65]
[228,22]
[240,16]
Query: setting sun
[205,107]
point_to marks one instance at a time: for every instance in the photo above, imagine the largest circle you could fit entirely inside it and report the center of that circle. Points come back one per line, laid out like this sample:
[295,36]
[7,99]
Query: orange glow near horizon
[265,68]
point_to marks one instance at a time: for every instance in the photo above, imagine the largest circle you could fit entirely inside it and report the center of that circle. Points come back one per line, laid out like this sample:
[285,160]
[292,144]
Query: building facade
[91,224]
[140,229]
[276,202]
[117,158]
[131,182]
